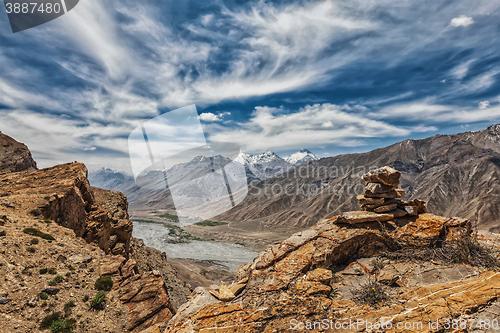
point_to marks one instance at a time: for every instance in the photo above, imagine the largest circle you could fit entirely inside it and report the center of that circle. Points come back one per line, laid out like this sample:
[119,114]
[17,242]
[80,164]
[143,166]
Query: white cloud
[428,111]
[272,128]
[90,148]
[208,116]
[461,70]
[461,21]
[484,104]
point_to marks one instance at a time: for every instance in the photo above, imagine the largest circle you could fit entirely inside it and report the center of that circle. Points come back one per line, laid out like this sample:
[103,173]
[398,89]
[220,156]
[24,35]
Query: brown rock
[398,212]
[387,278]
[119,249]
[370,201]
[14,156]
[397,193]
[411,210]
[385,208]
[147,301]
[284,289]
[319,275]
[236,288]
[111,265]
[379,188]
[370,207]
[80,259]
[385,175]
[362,216]
[129,269]
[225,294]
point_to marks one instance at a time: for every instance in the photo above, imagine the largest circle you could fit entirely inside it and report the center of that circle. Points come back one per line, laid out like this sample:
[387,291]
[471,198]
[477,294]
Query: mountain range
[152,192]
[458,175]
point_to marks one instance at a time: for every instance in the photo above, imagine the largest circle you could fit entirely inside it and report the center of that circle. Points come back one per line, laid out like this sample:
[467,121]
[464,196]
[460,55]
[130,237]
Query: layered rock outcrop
[14,156]
[67,260]
[145,295]
[316,277]
[63,194]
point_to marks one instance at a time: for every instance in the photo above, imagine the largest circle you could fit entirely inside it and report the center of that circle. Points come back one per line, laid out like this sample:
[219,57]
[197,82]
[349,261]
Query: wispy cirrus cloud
[105,67]
[312,125]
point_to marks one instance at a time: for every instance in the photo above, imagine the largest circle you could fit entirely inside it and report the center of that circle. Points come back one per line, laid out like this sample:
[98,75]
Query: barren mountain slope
[457,175]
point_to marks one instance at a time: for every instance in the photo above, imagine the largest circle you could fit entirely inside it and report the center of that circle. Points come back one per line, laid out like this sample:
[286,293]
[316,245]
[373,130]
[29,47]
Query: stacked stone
[382,194]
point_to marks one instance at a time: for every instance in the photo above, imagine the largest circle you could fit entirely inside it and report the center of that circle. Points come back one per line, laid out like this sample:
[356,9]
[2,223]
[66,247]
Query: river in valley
[158,236]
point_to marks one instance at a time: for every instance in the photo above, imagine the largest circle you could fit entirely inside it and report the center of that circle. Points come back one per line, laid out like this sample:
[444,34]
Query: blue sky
[330,76]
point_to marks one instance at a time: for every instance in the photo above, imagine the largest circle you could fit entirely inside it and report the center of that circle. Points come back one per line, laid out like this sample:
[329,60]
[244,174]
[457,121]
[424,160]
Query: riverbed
[228,255]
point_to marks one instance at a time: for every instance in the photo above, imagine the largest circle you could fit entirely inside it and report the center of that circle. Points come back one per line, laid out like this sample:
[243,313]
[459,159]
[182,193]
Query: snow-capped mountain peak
[301,156]
[265,157]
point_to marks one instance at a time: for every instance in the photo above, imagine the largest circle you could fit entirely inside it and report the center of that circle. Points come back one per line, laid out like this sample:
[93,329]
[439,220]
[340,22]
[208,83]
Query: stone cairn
[382,199]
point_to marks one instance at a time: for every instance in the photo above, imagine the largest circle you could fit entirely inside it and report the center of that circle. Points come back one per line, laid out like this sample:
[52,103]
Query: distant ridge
[459,175]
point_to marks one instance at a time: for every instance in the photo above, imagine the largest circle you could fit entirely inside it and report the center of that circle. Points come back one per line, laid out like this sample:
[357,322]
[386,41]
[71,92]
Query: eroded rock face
[63,194]
[14,156]
[294,280]
[145,295]
[116,228]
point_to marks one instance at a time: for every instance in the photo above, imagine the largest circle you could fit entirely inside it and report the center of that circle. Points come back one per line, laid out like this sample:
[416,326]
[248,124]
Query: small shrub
[34,241]
[31,249]
[91,269]
[67,308]
[49,319]
[52,270]
[61,258]
[44,295]
[59,244]
[85,298]
[4,217]
[69,304]
[57,279]
[84,285]
[68,274]
[371,293]
[97,302]
[104,283]
[35,212]
[47,221]
[71,268]
[43,270]
[25,270]
[377,265]
[38,233]
[334,292]
[63,326]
